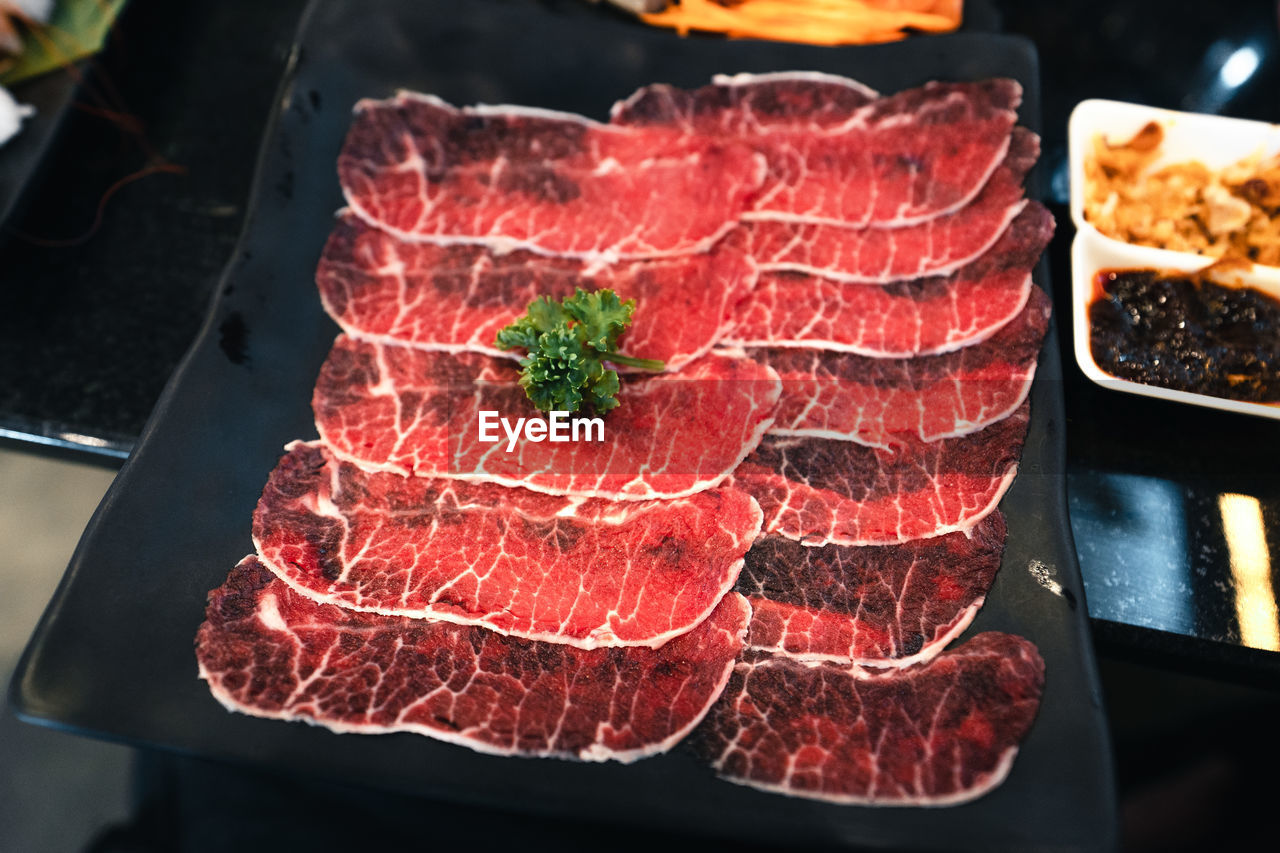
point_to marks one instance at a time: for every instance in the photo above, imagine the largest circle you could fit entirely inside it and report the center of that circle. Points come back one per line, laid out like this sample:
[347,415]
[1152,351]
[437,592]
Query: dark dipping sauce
[1186,333]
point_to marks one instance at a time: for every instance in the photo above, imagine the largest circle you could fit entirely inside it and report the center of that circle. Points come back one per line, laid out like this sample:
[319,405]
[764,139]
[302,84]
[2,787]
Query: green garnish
[567,343]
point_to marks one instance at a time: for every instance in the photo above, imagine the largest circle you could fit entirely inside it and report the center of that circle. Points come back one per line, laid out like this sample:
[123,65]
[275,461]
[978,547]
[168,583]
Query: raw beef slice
[884,401]
[895,160]
[745,105]
[554,183]
[823,491]
[456,298]
[935,734]
[880,255]
[923,317]
[412,411]
[871,606]
[267,651]
[584,572]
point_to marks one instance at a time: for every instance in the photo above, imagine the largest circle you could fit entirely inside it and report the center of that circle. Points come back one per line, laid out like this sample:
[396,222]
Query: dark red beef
[456,298]
[875,605]
[746,105]
[923,317]
[893,161]
[584,572]
[268,651]
[554,183]
[879,255]
[822,491]
[412,411]
[885,401]
[935,734]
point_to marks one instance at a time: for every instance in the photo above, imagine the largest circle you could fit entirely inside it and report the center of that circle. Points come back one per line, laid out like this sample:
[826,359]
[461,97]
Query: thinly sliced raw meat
[265,650]
[896,160]
[584,572]
[881,255]
[456,298]
[882,402]
[417,412]
[823,491]
[924,317]
[874,606]
[514,177]
[936,734]
[742,105]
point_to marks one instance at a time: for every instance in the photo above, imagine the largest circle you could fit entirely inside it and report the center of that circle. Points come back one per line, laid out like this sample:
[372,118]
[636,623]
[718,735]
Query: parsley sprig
[567,344]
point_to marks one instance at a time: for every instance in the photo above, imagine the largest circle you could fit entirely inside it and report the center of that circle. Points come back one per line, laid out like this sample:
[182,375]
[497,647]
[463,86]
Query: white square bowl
[1215,141]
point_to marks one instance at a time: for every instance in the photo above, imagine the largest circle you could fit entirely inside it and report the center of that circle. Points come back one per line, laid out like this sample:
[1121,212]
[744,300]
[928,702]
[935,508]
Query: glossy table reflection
[1176,516]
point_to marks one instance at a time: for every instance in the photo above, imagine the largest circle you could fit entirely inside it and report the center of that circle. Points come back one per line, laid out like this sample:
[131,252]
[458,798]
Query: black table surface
[112,256]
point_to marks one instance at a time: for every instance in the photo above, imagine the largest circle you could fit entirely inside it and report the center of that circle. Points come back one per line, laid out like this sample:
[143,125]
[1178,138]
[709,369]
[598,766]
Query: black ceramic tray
[113,654]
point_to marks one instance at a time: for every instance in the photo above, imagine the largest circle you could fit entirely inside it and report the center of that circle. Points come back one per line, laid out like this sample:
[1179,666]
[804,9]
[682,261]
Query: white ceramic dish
[1216,142]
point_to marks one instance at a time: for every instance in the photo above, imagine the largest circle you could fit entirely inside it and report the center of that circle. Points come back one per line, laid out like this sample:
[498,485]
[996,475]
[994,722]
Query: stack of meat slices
[894,299]
[779,534]
[531,598]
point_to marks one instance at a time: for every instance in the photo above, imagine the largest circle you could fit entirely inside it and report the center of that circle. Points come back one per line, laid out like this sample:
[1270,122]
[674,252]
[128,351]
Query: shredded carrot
[828,22]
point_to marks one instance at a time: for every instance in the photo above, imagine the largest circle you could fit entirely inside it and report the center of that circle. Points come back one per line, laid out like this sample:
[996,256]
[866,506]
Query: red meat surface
[934,734]
[267,651]
[412,411]
[554,183]
[584,572]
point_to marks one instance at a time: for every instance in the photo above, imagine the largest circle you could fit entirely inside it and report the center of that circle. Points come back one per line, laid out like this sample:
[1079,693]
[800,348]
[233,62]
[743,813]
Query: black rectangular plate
[113,654]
